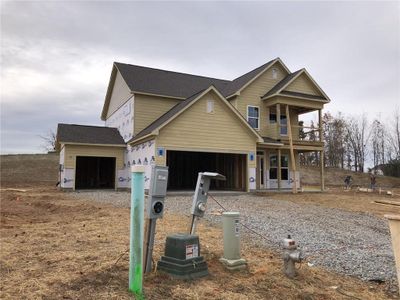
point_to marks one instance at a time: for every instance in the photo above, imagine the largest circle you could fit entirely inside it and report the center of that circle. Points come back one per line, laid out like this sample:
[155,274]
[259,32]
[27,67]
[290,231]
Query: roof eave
[157,95]
[153,133]
[296,97]
[93,144]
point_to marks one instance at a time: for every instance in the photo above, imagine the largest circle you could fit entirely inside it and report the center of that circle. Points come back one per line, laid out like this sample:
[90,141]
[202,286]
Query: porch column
[279,169]
[320,124]
[321,153]
[321,161]
[278,121]
[292,158]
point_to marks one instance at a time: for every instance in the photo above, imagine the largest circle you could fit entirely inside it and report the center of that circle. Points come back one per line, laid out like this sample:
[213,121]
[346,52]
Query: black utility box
[182,258]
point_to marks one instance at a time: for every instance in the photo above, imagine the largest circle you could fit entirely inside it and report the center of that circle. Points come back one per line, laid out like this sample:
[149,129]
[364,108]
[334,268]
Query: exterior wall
[72,151]
[66,174]
[149,108]
[197,130]
[252,94]
[303,84]
[123,119]
[119,95]
[140,154]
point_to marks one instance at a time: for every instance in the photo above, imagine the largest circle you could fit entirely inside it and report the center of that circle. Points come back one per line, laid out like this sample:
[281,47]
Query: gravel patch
[350,243]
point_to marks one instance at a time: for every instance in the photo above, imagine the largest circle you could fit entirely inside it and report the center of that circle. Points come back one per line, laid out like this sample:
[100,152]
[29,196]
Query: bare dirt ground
[56,247]
[350,200]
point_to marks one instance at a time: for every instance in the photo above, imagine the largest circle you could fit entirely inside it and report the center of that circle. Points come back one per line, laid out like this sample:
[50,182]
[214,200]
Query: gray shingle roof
[182,85]
[296,94]
[168,83]
[84,134]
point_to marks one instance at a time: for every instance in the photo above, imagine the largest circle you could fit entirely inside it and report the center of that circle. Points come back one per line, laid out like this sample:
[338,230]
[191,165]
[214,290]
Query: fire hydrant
[291,256]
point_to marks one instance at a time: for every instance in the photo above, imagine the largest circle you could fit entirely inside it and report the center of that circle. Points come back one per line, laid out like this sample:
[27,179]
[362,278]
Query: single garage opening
[95,172]
[184,167]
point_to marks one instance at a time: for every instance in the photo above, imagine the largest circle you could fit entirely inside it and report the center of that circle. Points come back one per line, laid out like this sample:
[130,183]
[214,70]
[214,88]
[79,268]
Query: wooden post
[278,121]
[321,161]
[292,158]
[279,169]
[321,155]
[320,124]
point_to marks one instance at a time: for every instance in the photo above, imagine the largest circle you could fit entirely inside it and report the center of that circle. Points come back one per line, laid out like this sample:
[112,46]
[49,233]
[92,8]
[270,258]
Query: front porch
[278,158]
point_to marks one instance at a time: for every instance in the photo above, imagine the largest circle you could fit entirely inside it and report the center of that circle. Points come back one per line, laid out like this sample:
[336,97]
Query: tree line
[353,141]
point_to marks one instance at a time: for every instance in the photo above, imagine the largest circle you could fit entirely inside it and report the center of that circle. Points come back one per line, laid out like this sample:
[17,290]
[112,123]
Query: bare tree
[334,134]
[358,135]
[394,136]
[378,142]
[49,141]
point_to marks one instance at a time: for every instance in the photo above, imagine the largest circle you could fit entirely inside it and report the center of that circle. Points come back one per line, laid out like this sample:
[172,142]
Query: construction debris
[388,202]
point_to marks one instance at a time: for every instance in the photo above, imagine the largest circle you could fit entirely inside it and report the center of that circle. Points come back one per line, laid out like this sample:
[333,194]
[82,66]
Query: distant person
[347,182]
[373,180]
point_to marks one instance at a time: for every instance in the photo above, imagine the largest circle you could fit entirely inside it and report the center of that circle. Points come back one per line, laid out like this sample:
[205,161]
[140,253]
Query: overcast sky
[57,56]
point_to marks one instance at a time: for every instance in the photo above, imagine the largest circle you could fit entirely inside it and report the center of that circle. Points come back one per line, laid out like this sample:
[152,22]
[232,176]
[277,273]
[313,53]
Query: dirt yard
[57,247]
[350,200]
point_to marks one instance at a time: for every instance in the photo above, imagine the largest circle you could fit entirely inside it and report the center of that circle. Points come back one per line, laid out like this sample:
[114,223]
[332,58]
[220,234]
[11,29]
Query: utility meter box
[157,192]
[182,257]
[201,192]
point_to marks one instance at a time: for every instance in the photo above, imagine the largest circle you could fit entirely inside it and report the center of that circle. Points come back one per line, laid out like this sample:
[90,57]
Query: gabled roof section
[84,134]
[166,83]
[177,85]
[243,81]
[278,89]
[154,127]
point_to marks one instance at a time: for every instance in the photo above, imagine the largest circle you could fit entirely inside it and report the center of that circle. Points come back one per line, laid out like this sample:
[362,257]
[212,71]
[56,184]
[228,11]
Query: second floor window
[273,118]
[253,115]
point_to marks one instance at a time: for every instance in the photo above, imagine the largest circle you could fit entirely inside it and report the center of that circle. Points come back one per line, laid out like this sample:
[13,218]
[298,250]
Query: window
[274,73]
[210,106]
[273,167]
[283,125]
[284,167]
[253,116]
[272,118]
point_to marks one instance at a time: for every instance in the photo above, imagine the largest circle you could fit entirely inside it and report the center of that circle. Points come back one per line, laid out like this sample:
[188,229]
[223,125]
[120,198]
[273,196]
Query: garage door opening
[184,167]
[95,172]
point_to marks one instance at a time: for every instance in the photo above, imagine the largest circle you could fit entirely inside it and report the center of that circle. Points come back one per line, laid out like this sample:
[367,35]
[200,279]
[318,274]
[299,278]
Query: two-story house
[246,128]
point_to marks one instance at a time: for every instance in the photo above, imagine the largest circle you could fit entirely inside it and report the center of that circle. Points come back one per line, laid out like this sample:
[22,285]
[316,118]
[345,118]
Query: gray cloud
[57,56]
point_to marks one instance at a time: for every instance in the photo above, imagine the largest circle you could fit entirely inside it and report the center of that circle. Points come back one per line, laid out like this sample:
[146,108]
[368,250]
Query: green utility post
[137,232]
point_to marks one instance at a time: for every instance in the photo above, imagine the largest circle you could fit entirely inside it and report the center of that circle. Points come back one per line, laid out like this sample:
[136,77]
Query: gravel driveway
[350,243]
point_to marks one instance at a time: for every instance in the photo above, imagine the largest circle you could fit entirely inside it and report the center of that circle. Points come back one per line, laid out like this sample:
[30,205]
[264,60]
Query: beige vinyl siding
[119,95]
[149,108]
[72,151]
[303,84]
[195,129]
[252,94]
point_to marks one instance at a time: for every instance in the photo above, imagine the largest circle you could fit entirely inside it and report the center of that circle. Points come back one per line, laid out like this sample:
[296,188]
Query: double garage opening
[184,167]
[95,172]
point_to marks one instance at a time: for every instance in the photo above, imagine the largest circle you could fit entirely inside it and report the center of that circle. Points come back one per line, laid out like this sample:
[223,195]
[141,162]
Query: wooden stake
[292,158]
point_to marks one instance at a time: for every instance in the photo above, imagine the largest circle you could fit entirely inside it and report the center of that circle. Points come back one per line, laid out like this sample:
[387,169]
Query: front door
[273,171]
